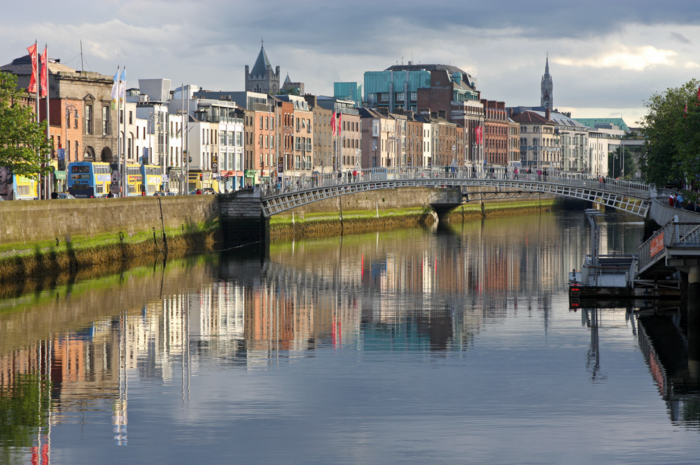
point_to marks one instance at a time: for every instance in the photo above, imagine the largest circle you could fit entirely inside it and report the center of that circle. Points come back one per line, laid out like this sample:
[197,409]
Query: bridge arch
[630,197]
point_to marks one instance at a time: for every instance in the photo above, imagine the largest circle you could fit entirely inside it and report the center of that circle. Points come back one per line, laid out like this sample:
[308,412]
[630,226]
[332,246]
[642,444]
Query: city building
[513,143]
[323,135]
[302,151]
[262,79]
[496,133]
[153,105]
[378,131]
[436,87]
[87,94]
[224,156]
[348,135]
[538,140]
[446,140]
[293,88]
[348,91]
[606,123]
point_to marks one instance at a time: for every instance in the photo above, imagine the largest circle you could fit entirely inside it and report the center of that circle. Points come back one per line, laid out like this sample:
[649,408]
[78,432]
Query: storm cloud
[605,57]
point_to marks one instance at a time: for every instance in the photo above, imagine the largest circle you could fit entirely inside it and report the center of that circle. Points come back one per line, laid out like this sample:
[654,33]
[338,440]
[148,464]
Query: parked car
[208,190]
[62,196]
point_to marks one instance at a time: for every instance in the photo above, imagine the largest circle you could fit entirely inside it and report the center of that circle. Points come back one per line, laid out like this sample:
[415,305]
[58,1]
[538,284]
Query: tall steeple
[547,88]
[262,78]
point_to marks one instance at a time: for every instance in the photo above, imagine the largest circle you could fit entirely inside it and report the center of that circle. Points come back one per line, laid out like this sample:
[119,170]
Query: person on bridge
[671,200]
[679,200]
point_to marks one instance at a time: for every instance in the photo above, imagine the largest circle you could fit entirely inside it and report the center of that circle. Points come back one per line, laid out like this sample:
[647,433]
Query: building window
[131,119]
[105,121]
[88,119]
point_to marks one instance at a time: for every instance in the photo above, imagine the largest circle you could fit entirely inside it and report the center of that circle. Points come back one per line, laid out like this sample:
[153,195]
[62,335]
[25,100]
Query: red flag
[45,72]
[32,80]
[698,93]
[338,126]
[478,132]
[333,123]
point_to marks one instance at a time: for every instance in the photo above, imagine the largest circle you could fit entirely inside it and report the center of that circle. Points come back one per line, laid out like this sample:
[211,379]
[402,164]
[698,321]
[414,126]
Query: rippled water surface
[409,346]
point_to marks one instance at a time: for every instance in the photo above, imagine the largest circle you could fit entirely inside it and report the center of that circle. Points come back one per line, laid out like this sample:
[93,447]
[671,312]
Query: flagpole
[124,141]
[119,137]
[37,103]
[182,135]
[47,180]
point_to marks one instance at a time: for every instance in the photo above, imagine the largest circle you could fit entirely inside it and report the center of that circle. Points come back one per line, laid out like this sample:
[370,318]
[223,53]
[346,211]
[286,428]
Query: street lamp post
[66,150]
[76,116]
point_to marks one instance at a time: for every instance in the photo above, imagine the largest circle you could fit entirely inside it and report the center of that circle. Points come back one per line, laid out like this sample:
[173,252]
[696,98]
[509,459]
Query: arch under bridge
[631,197]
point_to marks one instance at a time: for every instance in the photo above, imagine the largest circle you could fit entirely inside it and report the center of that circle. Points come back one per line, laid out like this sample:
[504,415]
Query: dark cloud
[679,38]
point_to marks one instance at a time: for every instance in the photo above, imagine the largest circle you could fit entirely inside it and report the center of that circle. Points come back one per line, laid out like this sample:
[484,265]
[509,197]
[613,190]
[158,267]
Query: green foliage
[23,408]
[672,138]
[23,144]
[616,161]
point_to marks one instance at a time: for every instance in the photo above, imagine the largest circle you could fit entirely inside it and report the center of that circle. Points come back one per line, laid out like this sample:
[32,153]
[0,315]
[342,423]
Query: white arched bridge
[632,197]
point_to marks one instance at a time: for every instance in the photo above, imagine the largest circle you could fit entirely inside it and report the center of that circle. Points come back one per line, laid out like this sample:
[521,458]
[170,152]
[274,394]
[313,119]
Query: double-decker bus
[133,179]
[87,180]
[25,188]
[151,178]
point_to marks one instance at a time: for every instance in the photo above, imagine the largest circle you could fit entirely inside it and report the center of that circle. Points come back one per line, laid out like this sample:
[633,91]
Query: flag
[32,80]
[122,88]
[45,72]
[338,126]
[698,93]
[478,132]
[333,123]
[685,111]
[115,90]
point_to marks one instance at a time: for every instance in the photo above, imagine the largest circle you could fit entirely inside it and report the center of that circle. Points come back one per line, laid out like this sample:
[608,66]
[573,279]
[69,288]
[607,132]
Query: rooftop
[261,64]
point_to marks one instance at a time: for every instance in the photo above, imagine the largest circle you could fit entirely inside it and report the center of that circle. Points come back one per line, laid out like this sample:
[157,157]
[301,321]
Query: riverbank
[297,225]
[45,238]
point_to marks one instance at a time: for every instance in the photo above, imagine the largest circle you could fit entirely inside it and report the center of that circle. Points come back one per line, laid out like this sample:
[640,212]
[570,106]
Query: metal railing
[675,234]
[446,174]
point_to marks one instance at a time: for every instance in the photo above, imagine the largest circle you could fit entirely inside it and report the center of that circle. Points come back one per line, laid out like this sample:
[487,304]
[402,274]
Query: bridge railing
[443,175]
[672,234]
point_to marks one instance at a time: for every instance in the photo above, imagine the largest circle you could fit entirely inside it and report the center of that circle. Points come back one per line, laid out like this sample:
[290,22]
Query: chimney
[547,113]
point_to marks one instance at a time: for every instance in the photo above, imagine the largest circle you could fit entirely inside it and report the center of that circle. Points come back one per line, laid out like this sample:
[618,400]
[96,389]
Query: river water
[452,345]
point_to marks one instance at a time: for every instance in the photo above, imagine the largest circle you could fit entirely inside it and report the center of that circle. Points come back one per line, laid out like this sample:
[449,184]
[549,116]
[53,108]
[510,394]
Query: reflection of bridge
[623,195]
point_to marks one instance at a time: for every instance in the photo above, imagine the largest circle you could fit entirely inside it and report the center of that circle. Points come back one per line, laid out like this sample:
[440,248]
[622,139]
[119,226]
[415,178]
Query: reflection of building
[672,364]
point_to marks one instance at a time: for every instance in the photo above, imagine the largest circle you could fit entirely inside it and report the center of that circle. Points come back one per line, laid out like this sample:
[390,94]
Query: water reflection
[402,297]
[674,368]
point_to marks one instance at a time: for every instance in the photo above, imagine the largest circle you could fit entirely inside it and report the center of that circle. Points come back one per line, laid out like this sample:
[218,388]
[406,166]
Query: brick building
[89,94]
[438,87]
[496,132]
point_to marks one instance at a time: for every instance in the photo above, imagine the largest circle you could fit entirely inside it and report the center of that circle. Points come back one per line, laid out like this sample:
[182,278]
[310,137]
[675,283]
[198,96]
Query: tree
[616,158]
[23,144]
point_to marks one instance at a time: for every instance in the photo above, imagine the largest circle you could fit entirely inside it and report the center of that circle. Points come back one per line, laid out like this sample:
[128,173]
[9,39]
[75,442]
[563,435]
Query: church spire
[547,87]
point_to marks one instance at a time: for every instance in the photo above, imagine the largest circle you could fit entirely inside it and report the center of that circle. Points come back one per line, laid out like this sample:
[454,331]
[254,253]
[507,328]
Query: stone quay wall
[389,209]
[49,236]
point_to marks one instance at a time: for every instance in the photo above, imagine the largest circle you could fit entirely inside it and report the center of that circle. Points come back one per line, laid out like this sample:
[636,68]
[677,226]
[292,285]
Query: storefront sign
[657,245]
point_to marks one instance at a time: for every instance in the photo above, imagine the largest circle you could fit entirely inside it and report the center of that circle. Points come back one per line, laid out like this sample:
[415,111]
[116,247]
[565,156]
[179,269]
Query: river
[449,345]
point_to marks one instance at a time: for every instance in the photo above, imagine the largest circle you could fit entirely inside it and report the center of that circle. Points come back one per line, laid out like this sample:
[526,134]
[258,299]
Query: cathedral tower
[547,98]
[262,78]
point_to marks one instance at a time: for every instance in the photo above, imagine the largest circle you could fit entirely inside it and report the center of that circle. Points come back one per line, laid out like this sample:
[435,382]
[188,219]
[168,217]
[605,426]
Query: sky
[606,57]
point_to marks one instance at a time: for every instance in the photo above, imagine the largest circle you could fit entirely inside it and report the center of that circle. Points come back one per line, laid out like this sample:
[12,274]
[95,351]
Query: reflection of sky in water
[400,347]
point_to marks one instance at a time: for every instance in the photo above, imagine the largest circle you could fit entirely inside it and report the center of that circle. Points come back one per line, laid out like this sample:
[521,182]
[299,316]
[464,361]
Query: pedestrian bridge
[632,197]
